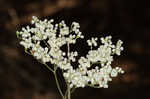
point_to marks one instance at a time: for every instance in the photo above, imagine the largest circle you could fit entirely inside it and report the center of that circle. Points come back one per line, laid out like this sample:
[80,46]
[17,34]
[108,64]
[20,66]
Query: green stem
[27,52]
[69,93]
[40,61]
[58,86]
[48,67]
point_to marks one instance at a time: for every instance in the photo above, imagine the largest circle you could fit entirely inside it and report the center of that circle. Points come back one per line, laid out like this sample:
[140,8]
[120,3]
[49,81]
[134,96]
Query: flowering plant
[44,42]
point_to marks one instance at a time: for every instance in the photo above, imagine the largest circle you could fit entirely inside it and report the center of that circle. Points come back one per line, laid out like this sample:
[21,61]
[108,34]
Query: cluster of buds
[44,42]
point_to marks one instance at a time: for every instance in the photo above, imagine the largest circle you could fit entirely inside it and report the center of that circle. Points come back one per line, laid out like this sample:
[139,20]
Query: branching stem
[57,83]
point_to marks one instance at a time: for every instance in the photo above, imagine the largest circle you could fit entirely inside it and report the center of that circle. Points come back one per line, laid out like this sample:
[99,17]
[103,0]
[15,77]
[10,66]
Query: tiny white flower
[54,36]
[114,73]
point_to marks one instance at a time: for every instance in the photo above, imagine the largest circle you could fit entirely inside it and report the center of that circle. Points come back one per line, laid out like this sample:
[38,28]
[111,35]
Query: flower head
[44,42]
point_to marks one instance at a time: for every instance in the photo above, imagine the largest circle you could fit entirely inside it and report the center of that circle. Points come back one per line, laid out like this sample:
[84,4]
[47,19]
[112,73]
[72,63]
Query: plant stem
[58,86]
[68,49]
[48,67]
[68,92]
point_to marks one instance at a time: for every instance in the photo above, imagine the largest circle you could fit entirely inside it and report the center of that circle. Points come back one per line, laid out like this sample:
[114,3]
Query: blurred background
[22,77]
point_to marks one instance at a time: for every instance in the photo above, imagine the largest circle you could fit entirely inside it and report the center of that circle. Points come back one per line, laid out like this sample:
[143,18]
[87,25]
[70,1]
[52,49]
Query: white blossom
[92,41]
[54,36]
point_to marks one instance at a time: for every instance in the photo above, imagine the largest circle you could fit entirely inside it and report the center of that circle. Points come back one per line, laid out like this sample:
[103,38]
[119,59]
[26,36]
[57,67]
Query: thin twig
[57,83]
[48,67]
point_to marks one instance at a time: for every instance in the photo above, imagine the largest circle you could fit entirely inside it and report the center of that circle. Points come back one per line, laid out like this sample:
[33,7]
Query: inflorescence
[54,36]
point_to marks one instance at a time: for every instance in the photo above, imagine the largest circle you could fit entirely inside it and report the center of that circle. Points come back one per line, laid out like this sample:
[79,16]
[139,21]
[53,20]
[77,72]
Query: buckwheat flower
[92,41]
[75,27]
[63,53]
[75,78]
[79,35]
[45,41]
[118,48]
[106,40]
[114,73]
[89,42]
[27,43]
[93,56]
[64,30]
[34,20]
[72,56]
[64,64]
[84,62]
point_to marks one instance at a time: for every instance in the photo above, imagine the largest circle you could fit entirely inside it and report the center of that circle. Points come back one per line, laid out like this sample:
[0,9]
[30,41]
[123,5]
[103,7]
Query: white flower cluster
[44,42]
[92,41]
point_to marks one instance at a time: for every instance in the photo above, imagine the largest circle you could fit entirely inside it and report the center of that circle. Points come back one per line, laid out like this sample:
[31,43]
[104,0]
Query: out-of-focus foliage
[22,77]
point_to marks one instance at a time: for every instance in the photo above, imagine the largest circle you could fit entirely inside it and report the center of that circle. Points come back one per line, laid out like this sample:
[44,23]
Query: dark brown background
[22,77]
